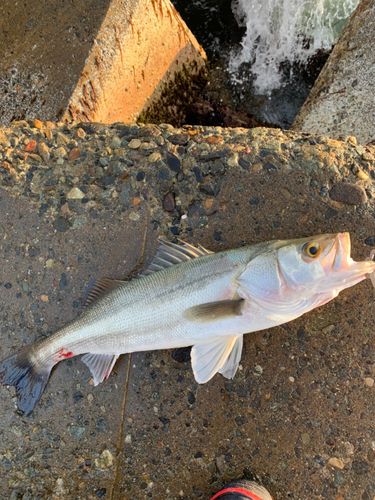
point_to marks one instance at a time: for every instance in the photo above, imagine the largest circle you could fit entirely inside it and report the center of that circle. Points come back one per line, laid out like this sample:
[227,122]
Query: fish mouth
[342,269]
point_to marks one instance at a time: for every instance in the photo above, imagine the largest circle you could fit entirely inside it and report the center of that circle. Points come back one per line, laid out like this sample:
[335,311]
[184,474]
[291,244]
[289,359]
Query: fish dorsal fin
[229,368]
[98,289]
[210,356]
[100,365]
[169,254]
[212,312]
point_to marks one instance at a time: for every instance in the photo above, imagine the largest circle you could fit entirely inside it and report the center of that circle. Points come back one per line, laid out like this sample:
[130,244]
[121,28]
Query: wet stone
[164,174]
[178,139]
[360,467]
[182,355]
[198,174]
[339,478]
[370,241]
[191,398]
[77,432]
[140,176]
[101,424]
[169,202]
[61,224]
[319,460]
[351,194]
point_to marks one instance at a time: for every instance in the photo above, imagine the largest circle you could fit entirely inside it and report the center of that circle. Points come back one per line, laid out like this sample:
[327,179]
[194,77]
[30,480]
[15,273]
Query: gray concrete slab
[341,101]
[102,60]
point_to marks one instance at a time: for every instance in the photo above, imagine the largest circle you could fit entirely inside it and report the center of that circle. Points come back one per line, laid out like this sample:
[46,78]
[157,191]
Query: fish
[190,296]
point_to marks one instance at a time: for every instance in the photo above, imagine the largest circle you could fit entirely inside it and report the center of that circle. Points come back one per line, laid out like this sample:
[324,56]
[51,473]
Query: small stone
[61,224]
[169,203]
[101,424]
[134,216]
[43,151]
[74,154]
[105,461]
[173,162]
[101,493]
[305,437]
[75,194]
[60,152]
[178,139]
[254,200]
[370,241]
[128,439]
[191,398]
[37,123]
[50,125]
[50,263]
[77,432]
[367,157]
[232,161]
[63,281]
[30,148]
[115,143]
[90,397]
[351,194]
[135,144]
[140,176]
[339,479]
[240,421]
[153,157]
[319,460]
[369,381]
[336,462]
[360,467]
[80,133]
[44,298]
[362,175]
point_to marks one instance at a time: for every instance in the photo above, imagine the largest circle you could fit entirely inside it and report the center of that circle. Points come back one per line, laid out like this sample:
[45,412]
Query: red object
[63,354]
[242,491]
[30,147]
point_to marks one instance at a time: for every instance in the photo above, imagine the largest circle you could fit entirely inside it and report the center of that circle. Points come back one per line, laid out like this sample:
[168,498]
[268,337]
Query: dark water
[231,103]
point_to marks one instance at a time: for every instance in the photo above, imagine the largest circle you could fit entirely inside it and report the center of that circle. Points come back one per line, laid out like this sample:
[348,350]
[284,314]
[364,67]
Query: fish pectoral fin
[100,365]
[211,312]
[210,356]
[229,368]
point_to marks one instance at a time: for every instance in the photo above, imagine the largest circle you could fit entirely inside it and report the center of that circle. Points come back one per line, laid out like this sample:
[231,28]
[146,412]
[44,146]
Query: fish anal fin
[100,365]
[210,356]
[98,289]
[212,312]
[229,368]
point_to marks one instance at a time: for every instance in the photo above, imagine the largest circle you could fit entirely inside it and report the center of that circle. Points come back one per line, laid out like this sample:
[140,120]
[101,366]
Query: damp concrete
[298,416]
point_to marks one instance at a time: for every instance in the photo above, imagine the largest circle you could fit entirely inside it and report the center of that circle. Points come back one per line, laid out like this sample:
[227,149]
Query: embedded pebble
[346,192]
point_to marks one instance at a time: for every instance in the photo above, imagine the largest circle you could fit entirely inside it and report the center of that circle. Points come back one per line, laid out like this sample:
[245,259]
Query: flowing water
[265,54]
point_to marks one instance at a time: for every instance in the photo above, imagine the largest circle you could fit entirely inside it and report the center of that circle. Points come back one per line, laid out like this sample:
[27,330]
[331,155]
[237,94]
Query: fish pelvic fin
[215,355]
[28,377]
[100,365]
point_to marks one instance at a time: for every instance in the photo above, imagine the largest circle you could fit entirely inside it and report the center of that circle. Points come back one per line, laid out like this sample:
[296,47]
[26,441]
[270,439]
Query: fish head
[304,273]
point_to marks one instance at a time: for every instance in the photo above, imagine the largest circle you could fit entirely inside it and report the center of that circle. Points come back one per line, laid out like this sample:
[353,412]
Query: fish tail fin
[28,377]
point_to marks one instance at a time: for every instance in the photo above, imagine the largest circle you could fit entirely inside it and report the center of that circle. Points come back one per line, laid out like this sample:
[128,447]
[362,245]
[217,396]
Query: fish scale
[208,300]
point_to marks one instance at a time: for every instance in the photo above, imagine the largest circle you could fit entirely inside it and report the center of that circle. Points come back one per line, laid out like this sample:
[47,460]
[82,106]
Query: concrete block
[91,60]
[342,103]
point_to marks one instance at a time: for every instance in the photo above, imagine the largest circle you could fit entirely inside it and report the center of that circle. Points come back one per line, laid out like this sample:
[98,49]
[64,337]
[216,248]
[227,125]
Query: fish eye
[312,250]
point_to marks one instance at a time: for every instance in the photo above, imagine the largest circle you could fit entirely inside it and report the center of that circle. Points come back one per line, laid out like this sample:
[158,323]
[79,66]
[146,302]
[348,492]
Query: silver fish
[191,296]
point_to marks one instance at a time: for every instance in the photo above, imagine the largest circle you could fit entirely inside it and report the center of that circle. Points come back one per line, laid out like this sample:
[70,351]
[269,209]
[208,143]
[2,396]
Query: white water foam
[277,31]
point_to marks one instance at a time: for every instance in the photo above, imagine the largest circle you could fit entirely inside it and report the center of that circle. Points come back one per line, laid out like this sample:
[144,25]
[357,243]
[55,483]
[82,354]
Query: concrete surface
[105,60]
[342,99]
[298,415]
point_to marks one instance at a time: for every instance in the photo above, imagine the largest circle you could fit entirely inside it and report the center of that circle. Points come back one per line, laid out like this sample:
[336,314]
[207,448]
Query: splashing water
[279,31]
